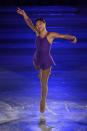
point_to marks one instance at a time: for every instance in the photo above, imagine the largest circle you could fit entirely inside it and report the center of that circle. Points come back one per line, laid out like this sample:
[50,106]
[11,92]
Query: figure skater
[42,59]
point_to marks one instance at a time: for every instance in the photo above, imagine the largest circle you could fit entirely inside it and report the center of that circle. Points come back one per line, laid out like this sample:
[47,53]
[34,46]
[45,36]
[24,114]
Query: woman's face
[40,25]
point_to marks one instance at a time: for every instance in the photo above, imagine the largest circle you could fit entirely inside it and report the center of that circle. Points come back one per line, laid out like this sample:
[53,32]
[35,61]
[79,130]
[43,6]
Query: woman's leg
[36,66]
[38,69]
[44,75]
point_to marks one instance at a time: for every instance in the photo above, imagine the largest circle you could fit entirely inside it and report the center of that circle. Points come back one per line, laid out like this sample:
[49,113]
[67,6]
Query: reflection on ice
[13,109]
[44,127]
[25,111]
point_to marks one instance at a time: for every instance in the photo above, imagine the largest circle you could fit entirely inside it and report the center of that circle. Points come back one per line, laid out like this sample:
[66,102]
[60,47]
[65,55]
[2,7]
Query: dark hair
[40,19]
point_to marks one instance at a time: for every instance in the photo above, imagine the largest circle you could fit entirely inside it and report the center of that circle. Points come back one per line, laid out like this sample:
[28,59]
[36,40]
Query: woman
[42,59]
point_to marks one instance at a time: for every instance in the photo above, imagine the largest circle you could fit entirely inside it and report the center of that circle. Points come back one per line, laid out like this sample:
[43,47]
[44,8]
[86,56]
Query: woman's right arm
[27,20]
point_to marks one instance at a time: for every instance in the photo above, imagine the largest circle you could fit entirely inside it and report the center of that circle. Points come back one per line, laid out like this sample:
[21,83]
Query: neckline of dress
[44,36]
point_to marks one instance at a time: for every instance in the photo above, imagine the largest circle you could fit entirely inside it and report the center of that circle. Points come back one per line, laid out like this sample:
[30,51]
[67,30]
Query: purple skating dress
[42,57]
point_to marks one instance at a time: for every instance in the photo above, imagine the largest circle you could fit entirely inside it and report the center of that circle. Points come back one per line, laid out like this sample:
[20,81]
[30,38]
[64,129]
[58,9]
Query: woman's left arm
[73,39]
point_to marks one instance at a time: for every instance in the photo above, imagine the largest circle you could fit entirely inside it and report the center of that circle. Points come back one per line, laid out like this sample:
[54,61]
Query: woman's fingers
[19,8]
[75,40]
[20,11]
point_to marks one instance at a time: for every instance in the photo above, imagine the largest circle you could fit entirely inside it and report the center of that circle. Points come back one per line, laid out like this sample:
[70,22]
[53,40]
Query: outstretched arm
[73,39]
[27,20]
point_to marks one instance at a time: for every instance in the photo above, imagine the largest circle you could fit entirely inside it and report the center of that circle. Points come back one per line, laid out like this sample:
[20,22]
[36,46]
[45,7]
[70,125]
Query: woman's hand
[20,12]
[27,20]
[74,39]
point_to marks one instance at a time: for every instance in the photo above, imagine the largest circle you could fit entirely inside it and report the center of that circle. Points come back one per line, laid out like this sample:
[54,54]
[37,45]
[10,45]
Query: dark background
[44,2]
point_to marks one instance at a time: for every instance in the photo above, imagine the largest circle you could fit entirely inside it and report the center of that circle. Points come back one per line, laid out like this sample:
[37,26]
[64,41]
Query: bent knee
[36,67]
[46,73]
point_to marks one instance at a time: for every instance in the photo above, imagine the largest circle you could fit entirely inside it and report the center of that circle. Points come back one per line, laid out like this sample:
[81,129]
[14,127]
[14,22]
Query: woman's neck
[43,33]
